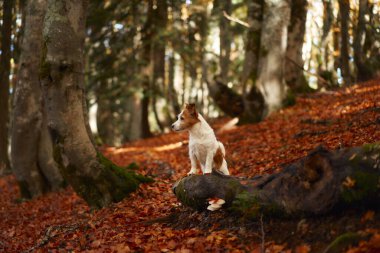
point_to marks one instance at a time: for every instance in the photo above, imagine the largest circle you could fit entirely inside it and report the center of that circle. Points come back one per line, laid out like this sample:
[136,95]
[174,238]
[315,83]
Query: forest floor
[152,220]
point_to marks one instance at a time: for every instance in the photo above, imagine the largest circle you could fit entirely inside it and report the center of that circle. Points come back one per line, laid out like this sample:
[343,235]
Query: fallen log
[319,183]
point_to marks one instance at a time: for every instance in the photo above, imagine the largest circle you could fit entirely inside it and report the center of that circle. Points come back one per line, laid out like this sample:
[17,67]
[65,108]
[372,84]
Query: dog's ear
[192,110]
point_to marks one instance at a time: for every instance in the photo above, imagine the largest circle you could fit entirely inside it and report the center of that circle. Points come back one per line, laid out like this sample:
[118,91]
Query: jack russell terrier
[203,146]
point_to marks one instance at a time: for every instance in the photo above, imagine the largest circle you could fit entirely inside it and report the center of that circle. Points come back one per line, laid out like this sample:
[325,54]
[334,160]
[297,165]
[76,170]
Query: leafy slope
[342,118]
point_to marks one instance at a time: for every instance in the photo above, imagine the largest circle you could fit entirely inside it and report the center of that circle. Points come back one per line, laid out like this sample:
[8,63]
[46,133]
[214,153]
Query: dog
[203,145]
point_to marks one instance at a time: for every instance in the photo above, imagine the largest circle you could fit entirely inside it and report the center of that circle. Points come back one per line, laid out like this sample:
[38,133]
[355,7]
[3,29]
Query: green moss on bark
[365,184]
[184,197]
[251,206]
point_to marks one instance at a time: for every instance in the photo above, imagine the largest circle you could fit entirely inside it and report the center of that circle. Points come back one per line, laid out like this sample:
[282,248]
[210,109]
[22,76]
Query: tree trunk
[147,70]
[5,63]
[32,149]
[322,182]
[145,125]
[328,19]
[92,176]
[225,37]
[294,76]
[363,72]
[253,101]
[134,126]
[344,11]
[326,59]
[160,16]
[172,94]
[270,74]
[104,116]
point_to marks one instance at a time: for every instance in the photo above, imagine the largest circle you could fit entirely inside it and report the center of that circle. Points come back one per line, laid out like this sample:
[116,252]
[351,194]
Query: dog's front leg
[193,160]
[208,165]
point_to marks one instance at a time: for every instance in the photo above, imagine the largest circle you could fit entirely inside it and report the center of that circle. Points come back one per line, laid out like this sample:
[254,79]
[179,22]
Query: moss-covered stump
[319,183]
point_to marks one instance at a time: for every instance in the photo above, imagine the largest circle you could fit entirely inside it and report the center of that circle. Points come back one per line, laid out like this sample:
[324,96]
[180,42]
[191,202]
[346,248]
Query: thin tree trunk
[92,176]
[160,17]
[184,82]
[5,63]
[344,11]
[328,19]
[147,70]
[134,128]
[32,150]
[253,100]
[294,75]
[270,80]
[336,47]
[145,125]
[327,58]
[363,72]
[225,37]
[104,116]
[172,94]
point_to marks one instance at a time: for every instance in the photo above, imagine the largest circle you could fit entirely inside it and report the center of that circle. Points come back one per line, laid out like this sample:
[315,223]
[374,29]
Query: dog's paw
[191,173]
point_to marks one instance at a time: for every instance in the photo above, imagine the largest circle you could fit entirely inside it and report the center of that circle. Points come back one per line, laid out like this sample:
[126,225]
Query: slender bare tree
[344,12]
[5,64]
[294,75]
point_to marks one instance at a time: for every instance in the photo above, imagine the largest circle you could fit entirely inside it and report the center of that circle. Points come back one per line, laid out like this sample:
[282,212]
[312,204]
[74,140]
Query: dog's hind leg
[223,168]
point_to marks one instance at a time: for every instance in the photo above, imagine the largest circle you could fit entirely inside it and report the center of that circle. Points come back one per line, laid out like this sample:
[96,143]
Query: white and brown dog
[203,146]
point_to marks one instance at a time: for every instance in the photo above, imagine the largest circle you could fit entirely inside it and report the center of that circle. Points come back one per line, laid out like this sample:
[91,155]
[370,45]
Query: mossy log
[319,183]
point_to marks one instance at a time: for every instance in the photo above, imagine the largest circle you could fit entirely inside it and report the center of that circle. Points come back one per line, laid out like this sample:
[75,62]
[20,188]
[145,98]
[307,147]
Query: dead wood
[319,183]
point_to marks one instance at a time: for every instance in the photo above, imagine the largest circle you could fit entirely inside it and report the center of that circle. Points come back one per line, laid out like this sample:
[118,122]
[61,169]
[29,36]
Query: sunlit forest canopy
[145,59]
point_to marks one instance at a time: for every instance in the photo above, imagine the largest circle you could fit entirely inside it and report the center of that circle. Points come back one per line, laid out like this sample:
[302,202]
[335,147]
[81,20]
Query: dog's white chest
[200,151]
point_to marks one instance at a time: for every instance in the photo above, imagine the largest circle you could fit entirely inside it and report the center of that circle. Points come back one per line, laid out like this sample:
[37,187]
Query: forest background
[125,68]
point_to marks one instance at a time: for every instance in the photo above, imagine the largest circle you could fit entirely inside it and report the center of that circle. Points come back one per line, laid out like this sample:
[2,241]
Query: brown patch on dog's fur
[218,159]
[190,116]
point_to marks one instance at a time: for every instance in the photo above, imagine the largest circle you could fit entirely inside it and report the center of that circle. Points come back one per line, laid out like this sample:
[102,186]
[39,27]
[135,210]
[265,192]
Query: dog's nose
[172,126]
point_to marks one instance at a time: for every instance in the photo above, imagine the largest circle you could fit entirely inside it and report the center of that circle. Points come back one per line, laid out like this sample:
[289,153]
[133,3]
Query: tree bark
[147,70]
[253,100]
[225,37]
[134,126]
[294,75]
[172,94]
[32,149]
[92,176]
[322,182]
[5,63]
[104,116]
[270,74]
[363,72]
[344,11]
[160,17]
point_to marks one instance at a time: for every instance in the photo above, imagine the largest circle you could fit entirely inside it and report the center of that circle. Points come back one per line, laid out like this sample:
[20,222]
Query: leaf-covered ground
[151,220]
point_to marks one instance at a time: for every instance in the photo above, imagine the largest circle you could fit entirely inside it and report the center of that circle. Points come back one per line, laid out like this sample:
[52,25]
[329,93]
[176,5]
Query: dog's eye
[181,118]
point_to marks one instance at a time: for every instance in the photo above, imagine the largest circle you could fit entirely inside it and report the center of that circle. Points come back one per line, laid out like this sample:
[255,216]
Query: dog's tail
[221,146]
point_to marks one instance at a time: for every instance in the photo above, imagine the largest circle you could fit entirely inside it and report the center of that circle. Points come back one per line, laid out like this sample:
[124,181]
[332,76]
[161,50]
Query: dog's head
[186,119]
